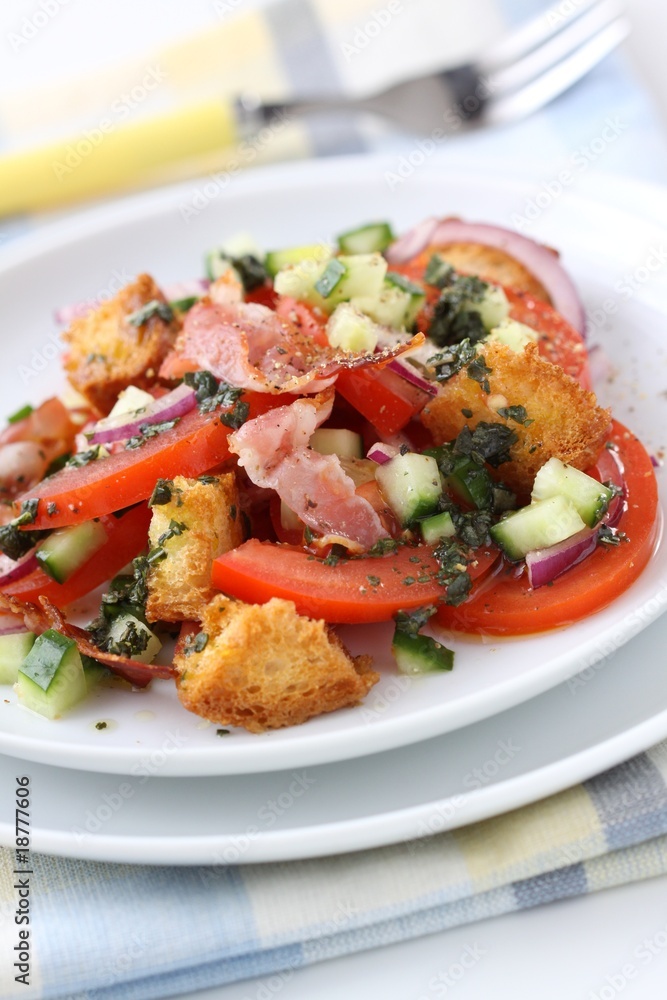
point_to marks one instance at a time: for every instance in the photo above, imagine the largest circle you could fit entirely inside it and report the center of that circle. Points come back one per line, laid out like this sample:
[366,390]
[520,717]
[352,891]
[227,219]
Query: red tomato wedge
[197,443]
[126,538]
[507,606]
[369,589]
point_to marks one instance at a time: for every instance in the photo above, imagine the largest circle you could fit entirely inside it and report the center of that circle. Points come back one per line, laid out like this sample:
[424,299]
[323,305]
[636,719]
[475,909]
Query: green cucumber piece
[590,497]
[420,654]
[469,482]
[331,277]
[334,441]
[51,678]
[128,634]
[411,486]
[276,260]
[349,329]
[492,306]
[67,549]
[94,672]
[396,305]
[13,651]
[437,527]
[512,334]
[373,238]
[537,526]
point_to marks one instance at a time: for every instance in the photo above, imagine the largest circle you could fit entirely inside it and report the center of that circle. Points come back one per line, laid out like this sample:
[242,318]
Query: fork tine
[557,79]
[530,35]
[556,49]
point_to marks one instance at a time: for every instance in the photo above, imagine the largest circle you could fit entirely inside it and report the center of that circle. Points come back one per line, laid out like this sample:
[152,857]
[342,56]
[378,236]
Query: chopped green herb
[408,580]
[100,725]
[15,543]
[374,581]
[479,371]
[250,270]
[383,547]
[223,732]
[51,508]
[438,272]
[516,413]
[611,536]
[21,414]
[28,511]
[82,458]
[207,480]
[200,642]
[175,528]
[489,442]
[161,493]
[335,555]
[153,308]
[448,363]
[411,622]
[148,431]
[452,322]
[185,304]
[466,412]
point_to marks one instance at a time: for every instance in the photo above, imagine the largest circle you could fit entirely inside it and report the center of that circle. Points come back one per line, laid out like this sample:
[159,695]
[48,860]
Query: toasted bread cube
[263,666]
[566,423]
[106,353]
[209,518]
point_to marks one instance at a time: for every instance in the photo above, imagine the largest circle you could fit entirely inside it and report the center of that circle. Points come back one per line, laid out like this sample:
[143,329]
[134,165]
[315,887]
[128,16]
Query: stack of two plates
[515,721]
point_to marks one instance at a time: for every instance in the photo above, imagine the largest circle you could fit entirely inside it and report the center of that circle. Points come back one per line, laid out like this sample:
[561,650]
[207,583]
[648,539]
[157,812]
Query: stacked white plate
[515,721]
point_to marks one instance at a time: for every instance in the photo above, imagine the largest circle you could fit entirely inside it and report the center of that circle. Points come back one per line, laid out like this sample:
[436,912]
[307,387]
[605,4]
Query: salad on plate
[381,430]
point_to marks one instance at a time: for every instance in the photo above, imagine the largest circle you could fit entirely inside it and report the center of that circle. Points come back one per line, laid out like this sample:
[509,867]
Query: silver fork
[529,68]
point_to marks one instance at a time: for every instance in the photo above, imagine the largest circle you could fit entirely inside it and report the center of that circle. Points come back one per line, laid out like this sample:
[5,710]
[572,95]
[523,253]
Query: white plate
[577,729]
[292,204]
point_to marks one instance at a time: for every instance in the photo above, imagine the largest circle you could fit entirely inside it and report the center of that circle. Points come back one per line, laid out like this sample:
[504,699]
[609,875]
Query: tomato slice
[369,589]
[197,443]
[126,538]
[509,606]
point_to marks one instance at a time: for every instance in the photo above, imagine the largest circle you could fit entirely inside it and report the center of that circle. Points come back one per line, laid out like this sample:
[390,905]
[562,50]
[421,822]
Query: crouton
[106,353]
[202,520]
[566,422]
[493,265]
[263,666]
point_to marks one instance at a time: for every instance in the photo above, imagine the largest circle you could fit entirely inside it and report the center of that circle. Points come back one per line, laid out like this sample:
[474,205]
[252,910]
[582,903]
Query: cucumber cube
[349,329]
[589,496]
[537,526]
[420,654]
[435,528]
[51,678]
[13,651]
[411,486]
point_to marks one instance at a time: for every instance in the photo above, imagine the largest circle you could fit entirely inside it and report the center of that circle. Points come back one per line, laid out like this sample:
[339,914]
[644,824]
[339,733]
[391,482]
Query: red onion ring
[175,404]
[542,263]
[413,242]
[544,565]
[411,375]
[20,568]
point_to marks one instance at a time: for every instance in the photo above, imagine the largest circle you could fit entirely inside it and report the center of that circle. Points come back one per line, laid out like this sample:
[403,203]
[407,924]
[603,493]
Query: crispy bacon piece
[252,347]
[39,619]
[273,449]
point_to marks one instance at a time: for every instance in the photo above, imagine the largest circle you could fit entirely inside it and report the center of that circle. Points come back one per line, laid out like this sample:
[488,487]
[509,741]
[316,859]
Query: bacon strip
[38,620]
[252,347]
[273,449]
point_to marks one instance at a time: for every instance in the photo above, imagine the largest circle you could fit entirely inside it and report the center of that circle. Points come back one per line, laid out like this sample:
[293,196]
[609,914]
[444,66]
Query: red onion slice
[544,565]
[536,258]
[381,453]
[20,568]
[542,263]
[174,404]
[413,242]
[411,375]
[11,624]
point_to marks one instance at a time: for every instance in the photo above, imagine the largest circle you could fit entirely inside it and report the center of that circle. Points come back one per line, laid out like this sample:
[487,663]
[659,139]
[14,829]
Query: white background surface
[566,951]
